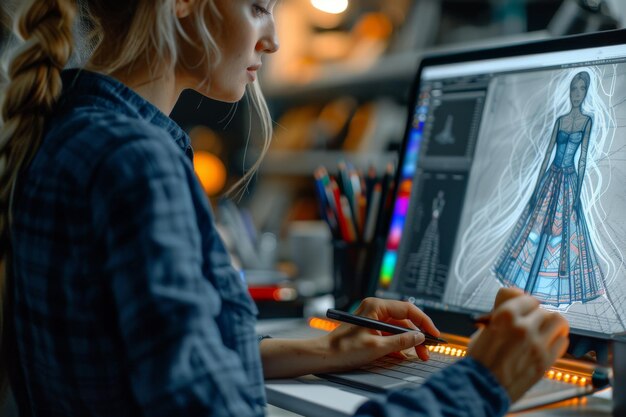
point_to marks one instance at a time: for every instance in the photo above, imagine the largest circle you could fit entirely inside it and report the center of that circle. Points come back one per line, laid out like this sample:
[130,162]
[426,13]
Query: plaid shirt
[122,297]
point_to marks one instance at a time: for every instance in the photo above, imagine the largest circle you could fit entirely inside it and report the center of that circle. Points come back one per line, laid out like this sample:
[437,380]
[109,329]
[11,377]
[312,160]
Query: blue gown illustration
[550,253]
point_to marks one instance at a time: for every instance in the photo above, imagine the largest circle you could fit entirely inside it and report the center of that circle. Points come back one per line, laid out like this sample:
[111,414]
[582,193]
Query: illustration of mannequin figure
[550,253]
[426,259]
[445,137]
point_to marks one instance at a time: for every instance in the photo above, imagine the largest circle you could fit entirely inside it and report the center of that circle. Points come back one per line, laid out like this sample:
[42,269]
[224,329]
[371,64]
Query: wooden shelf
[392,75]
[305,162]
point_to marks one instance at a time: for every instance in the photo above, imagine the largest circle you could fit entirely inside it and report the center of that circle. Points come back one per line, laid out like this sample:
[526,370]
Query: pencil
[347,214]
[372,214]
[341,215]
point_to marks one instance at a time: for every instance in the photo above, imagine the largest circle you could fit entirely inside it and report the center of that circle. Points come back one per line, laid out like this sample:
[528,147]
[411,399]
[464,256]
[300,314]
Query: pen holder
[354,266]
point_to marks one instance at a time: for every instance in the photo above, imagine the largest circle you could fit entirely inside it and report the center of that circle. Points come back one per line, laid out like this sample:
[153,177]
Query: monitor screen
[513,175]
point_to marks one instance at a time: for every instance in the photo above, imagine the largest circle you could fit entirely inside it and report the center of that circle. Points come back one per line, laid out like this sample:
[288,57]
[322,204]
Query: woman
[550,253]
[120,296]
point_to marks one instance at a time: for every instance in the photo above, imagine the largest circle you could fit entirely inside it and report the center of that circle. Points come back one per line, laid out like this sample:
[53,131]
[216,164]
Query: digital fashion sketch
[550,253]
[548,169]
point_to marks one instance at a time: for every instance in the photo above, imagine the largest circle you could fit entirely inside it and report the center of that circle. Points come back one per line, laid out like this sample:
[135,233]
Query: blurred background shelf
[390,75]
[303,163]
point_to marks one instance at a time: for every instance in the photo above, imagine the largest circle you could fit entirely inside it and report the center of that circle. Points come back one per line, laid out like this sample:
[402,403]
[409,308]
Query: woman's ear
[184,8]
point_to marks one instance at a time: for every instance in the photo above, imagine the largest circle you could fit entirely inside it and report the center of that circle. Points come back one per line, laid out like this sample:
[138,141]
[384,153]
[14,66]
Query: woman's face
[246,32]
[578,92]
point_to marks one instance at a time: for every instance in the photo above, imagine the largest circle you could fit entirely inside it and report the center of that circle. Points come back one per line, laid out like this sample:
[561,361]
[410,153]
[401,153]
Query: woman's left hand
[352,346]
[348,346]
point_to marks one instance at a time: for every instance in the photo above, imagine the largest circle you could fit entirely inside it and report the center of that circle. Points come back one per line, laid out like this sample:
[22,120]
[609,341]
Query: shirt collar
[82,87]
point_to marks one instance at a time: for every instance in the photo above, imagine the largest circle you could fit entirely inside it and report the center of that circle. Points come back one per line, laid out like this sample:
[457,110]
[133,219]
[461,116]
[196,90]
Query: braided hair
[34,86]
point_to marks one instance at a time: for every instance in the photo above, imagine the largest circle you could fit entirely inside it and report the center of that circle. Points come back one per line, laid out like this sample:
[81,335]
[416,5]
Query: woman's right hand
[520,342]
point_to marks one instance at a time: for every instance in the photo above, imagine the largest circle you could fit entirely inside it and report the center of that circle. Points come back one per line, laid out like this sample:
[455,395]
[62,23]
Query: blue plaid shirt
[122,300]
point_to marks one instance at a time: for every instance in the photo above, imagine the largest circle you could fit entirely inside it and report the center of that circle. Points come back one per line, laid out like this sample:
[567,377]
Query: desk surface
[313,396]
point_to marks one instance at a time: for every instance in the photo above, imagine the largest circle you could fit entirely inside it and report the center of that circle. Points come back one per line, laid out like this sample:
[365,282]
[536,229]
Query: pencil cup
[619,377]
[353,271]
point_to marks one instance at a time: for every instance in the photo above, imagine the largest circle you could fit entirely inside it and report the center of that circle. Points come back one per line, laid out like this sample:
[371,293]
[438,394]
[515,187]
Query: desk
[313,397]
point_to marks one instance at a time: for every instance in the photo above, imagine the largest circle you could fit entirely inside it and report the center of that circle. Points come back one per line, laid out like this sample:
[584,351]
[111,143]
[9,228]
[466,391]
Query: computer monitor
[513,173]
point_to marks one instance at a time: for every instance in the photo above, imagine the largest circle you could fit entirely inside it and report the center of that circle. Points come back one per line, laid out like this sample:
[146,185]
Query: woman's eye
[260,10]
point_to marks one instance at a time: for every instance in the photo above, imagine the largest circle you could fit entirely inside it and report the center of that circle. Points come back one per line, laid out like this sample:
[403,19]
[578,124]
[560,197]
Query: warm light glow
[447,350]
[565,377]
[321,324]
[211,172]
[330,6]
[374,26]
[285,294]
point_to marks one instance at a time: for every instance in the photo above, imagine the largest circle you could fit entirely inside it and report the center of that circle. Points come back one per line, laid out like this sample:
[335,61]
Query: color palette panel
[401,206]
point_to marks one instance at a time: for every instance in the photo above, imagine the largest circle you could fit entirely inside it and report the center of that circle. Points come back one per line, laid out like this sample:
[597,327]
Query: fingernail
[419,338]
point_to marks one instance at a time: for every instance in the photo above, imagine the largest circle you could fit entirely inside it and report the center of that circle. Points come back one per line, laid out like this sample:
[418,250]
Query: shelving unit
[300,163]
[391,75]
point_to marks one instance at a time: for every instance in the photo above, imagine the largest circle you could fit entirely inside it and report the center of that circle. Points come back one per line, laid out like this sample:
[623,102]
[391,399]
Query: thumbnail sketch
[424,260]
[423,266]
[454,124]
[446,137]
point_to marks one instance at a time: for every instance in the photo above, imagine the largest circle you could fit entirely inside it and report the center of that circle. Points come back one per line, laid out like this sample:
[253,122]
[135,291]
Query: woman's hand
[351,346]
[348,346]
[521,341]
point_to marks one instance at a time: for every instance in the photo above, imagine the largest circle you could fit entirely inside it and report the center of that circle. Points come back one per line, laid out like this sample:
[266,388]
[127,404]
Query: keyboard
[390,373]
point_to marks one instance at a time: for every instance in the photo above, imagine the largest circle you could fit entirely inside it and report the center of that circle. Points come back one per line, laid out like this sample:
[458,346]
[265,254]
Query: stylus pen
[331,313]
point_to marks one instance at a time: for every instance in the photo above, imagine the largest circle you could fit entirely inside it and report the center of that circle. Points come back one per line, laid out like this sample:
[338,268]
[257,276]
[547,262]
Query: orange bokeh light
[211,172]
[321,324]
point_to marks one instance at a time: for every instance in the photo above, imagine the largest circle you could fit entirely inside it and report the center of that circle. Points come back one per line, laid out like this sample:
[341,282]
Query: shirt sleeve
[166,309]
[465,389]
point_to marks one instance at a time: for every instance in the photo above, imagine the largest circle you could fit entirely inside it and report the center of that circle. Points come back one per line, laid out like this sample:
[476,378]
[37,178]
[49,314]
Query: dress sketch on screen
[445,137]
[550,253]
[423,266]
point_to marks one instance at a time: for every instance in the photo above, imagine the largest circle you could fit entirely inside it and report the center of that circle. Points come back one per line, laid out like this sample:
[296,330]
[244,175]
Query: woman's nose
[269,43]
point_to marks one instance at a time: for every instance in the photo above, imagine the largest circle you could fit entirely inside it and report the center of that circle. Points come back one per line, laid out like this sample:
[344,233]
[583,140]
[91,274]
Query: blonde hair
[116,39]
